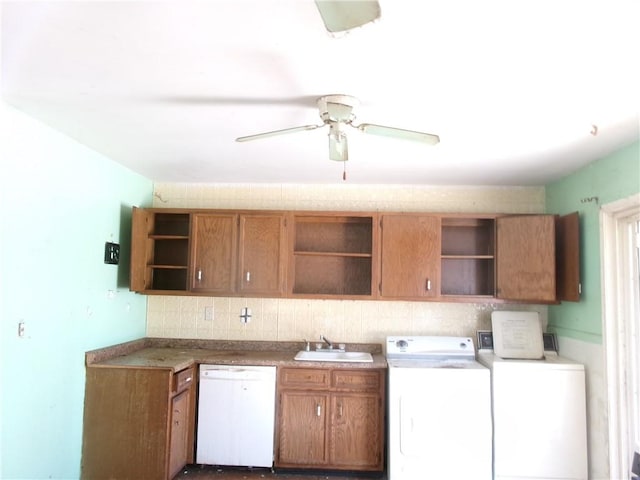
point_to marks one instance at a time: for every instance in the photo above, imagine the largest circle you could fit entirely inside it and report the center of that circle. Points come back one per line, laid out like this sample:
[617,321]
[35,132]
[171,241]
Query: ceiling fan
[336,111]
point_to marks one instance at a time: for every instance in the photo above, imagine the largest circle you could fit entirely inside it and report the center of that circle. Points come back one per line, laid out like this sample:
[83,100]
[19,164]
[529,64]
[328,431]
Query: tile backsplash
[339,320]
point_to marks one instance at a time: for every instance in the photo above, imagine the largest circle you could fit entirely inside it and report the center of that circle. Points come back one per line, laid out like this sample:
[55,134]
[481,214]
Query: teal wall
[60,203]
[612,178]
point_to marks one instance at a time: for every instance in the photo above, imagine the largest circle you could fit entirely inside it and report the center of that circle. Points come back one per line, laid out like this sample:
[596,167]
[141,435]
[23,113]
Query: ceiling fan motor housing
[337,108]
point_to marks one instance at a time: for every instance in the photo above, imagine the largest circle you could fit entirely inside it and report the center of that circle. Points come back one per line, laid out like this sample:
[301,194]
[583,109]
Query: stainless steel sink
[332,356]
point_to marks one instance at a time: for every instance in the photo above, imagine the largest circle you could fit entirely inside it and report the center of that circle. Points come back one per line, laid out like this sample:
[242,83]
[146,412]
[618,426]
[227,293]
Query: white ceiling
[520,92]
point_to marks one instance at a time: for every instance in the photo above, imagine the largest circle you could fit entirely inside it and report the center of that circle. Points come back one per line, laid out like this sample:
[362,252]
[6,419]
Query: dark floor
[206,472]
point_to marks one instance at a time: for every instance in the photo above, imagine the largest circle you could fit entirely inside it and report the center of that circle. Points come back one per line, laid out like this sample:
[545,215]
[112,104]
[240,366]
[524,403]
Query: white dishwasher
[236,415]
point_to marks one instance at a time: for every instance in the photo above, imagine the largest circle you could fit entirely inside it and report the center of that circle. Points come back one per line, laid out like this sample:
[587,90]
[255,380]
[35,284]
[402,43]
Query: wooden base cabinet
[330,419]
[138,423]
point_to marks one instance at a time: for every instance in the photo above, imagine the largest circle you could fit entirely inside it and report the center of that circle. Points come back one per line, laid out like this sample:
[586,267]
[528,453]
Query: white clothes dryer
[539,418]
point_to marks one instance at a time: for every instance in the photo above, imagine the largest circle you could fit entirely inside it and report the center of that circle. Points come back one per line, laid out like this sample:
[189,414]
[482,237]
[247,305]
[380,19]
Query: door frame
[617,313]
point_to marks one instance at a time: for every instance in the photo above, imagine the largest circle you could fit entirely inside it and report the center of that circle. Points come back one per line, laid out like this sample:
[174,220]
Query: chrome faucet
[327,341]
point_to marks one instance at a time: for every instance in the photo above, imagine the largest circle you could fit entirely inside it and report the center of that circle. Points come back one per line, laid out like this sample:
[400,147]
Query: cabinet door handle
[199,275]
[428,285]
[318,410]
[340,409]
[248,277]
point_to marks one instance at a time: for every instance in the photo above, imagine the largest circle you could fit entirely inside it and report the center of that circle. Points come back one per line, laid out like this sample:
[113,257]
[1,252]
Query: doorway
[620,244]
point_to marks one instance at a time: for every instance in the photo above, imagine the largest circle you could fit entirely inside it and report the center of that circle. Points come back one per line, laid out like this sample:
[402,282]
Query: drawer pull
[318,410]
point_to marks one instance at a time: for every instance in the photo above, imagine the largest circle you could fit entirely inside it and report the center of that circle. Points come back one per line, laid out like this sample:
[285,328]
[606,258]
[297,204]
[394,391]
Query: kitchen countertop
[178,354]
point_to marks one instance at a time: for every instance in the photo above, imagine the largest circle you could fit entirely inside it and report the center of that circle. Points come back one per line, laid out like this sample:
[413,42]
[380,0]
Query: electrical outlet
[208,314]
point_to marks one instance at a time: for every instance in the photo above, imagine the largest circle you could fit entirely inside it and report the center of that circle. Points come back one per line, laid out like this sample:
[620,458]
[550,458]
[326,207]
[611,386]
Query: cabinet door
[356,432]
[214,252]
[568,257]
[179,433]
[526,258]
[126,410]
[410,256]
[261,256]
[141,247]
[302,433]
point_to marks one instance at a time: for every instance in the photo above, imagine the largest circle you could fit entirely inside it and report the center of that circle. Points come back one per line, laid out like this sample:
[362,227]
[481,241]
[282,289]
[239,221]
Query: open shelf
[169,251]
[468,257]
[332,255]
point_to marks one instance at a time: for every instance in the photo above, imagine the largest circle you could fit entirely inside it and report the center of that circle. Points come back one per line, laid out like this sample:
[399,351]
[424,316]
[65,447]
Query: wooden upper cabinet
[331,255]
[526,258]
[214,237]
[568,257]
[468,257]
[262,254]
[410,256]
[356,255]
[239,253]
[159,251]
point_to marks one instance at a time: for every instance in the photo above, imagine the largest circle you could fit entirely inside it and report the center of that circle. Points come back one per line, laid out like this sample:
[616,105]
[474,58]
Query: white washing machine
[539,418]
[439,410]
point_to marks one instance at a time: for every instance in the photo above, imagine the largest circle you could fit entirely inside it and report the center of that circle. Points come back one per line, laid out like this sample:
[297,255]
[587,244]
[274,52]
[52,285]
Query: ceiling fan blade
[342,15]
[427,138]
[307,101]
[277,132]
